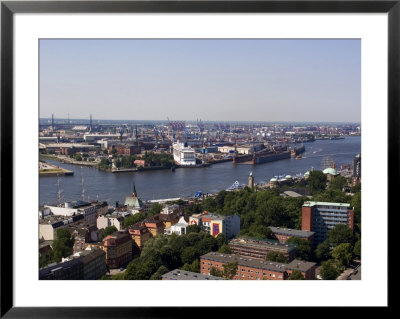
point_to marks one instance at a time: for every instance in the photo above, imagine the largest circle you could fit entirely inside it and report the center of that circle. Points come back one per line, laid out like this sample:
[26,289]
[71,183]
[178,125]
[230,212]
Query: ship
[234,186]
[184,155]
[297,150]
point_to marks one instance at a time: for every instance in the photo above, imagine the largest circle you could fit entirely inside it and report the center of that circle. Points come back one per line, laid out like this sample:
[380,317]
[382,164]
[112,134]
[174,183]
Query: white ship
[184,155]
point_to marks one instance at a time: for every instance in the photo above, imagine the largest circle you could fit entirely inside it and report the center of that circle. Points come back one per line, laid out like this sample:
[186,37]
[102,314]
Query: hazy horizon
[220,80]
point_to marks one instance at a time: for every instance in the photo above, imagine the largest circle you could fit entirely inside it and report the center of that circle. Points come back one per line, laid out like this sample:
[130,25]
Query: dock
[46,169]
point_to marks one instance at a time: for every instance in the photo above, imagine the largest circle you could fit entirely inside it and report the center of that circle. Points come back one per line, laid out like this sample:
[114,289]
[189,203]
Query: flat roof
[179,274]
[244,261]
[292,232]
[292,194]
[265,243]
[260,264]
[310,204]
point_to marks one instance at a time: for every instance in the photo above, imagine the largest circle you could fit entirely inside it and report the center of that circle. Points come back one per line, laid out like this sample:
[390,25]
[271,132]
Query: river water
[183,182]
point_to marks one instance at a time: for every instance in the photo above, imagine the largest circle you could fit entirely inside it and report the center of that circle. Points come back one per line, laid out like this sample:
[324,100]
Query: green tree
[62,245]
[117,163]
[330,269]
[78,157]
[356,203]
[316,182]
[356,188]
[230,270]
[109,230]
[340,234]
[343,253]
[216,272]
[189,254]
[276,256]
[133,219]
[303,247]
[225,249]
[338,183]
[296,275]
[193,229]
[155,209]
[357,249]
[221,240]
[193,267]
[158,274]
[323,251]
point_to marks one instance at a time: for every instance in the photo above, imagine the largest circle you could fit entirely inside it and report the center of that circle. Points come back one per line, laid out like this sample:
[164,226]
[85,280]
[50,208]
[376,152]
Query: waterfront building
[259,248]
[179,228]
[183,154]
[179,274]
[216,224]
[118,249]
[283,234]
[256,269]
[69,148]
[320,217]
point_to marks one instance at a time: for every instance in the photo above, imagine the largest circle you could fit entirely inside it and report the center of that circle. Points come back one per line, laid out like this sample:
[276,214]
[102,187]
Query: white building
[216,224]
[89,210]
[104,221]
[179,228]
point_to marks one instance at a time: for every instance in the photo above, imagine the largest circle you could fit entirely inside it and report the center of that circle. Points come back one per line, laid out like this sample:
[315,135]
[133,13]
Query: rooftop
[310,204]
[179,274]
[262,243]
[244,261]
[292,232]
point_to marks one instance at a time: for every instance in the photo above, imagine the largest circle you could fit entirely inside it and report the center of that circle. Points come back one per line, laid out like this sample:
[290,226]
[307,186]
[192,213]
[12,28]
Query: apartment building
[283,234]
[259,248]
[118,248]
[215,224]
[256,269]
[320,217]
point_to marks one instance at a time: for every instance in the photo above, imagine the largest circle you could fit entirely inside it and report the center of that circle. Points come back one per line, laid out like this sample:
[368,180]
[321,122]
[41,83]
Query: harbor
[155,184]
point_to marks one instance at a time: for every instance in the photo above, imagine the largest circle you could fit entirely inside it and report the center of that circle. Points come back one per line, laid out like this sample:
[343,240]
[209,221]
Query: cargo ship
[297,150]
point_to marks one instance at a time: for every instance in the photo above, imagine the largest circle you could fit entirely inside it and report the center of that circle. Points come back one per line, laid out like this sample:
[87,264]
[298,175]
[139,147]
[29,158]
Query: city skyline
[244,80]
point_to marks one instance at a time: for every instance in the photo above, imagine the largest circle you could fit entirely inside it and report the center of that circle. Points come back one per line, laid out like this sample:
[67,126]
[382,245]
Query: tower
[251,180]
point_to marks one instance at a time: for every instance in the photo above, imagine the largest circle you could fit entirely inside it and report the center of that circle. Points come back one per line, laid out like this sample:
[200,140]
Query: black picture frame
[9,8]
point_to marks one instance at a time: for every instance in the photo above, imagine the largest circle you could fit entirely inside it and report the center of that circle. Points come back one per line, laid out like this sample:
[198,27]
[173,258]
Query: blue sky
[218,79]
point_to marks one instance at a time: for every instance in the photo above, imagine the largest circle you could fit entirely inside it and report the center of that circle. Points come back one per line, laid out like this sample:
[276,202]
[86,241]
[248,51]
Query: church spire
[134,194]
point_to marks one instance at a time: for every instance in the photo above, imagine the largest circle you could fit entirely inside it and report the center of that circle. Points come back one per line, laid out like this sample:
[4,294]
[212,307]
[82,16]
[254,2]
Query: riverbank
[46,169]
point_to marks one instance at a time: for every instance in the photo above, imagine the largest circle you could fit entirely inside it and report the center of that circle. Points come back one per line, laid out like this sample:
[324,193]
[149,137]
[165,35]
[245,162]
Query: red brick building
[259,249]
[283,234]
[255,269]
[118,248]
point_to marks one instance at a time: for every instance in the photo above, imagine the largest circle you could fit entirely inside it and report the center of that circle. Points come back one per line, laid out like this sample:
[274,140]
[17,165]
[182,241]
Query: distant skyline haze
[301,80]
